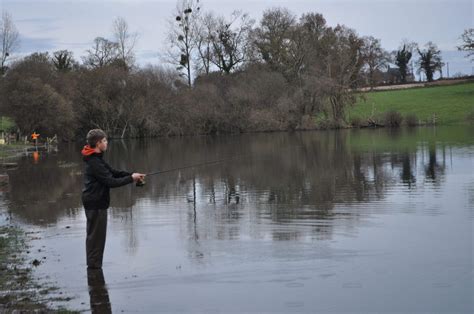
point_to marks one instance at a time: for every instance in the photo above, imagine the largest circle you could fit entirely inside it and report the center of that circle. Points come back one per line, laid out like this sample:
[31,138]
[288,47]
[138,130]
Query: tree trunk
[124,129]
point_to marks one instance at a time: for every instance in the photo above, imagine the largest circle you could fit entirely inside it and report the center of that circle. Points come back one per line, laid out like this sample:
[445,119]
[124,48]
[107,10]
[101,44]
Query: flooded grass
[13,150]
[19,291]
[342,221]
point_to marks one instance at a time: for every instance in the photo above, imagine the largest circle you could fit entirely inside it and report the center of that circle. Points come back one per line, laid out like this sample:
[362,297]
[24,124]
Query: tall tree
[430,60]
[314,28]
[468,43]
[182,36]
[343,59]
[206,25]
[9,39]
[32,99]
[402,58]
[307,68]
[230,41]
[102,53]
[125,40]
[63,60]
[272,38]
[376,58]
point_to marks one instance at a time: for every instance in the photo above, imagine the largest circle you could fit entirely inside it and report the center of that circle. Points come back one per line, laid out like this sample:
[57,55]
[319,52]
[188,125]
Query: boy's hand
[138,177]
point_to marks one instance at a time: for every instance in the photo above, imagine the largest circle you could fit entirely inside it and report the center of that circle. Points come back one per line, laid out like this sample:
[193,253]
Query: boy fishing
[99,177]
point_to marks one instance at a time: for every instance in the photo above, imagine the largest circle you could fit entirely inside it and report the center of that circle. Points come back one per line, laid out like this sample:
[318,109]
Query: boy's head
[97,138]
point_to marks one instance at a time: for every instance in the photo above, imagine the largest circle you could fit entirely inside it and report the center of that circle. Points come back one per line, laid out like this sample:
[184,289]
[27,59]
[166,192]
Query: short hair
[94,136]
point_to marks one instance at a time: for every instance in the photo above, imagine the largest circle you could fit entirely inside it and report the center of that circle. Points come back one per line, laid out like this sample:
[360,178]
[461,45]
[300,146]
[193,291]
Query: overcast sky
[49,25]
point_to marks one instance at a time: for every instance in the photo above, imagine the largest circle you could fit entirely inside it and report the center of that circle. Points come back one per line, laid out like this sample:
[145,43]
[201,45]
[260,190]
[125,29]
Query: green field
[451,104]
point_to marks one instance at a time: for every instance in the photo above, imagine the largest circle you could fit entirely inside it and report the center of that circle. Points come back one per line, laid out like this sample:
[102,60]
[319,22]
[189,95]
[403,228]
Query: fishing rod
[142,182]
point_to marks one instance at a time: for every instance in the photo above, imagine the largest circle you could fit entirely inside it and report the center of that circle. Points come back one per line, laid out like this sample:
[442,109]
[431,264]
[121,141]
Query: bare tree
[125,41]
[182,36]
[468,43]
[8,38]
[283,43]
[307,53]
[272,37]
[206,25]
[103,52]
[344,60]
[376,58]
[230,41]
[313,26]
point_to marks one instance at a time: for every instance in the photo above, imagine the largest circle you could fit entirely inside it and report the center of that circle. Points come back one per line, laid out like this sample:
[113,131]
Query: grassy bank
[10,150]
[19,292]
[449,104]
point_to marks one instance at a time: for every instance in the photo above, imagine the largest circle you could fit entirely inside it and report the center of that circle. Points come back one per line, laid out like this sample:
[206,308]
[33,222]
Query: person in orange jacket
[99,177]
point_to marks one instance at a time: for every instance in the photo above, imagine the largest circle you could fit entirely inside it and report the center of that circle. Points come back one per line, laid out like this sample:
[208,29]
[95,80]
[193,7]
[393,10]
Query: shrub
[265,120]
[35,106]
[411,120]
[393,119]
[470,117]
[356,122]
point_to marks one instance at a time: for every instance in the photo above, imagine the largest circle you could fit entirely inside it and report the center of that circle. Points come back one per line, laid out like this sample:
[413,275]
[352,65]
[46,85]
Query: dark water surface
[346,221]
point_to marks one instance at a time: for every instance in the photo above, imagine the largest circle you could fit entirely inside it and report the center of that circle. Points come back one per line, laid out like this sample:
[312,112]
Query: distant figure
[99,177]
[34,137]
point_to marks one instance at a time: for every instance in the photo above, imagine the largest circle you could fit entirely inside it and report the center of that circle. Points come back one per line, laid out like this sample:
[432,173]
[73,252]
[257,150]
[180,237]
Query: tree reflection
[433,169]
[277,186]
[41,193]
[407,175]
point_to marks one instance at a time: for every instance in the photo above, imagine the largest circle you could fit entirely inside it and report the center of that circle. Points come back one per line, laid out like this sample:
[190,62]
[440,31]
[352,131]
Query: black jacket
[99,177]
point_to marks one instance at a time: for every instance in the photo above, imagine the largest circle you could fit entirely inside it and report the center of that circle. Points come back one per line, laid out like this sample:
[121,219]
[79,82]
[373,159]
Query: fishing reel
[140,183]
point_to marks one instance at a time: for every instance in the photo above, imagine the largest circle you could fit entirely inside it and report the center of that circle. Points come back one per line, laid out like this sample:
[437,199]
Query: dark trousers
[95,240]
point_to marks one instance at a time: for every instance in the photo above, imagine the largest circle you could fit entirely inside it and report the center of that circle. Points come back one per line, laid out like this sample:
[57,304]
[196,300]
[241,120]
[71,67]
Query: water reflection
[433,169]
[294,179]
[43,190]
[321,213]
[407,174]
[98,293]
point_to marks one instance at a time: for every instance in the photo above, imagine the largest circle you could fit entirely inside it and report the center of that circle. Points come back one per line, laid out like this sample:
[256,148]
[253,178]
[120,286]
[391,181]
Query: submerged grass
[19,291]
[14,150]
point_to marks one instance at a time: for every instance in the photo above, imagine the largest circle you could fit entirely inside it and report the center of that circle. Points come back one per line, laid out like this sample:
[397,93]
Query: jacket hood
[88,151]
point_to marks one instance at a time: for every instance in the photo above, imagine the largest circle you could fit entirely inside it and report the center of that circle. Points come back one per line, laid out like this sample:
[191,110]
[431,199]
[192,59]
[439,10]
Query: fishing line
[142,183]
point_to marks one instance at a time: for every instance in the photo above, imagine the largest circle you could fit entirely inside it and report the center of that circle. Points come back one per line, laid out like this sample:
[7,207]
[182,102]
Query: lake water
[324,221]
